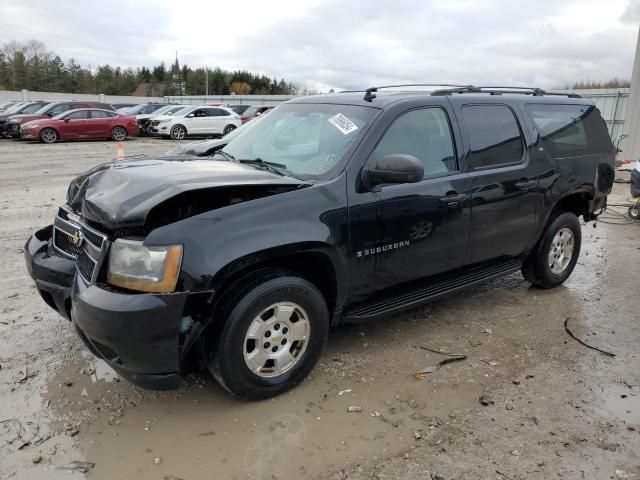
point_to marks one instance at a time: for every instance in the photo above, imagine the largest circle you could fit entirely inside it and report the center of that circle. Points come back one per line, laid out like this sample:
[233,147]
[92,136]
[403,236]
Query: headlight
[146,269]
[163,121]
[30,126]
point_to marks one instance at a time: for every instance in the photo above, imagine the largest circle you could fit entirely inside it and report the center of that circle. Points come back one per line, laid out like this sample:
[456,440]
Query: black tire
[119,134]
[223,349]
[49,135]
[228,129]
[178,132]
[536,268]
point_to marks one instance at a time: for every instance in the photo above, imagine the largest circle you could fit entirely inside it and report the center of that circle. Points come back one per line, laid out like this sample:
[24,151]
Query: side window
[494,135]
[570,130]
[99,114]
[58,109]
[424,133]
[81,115]
[200,112]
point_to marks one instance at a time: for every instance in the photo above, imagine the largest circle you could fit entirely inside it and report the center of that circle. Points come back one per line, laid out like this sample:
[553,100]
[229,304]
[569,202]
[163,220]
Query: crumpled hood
[120,195]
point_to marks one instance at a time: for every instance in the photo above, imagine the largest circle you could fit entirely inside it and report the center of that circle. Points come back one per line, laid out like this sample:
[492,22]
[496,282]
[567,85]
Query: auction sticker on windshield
[343,124]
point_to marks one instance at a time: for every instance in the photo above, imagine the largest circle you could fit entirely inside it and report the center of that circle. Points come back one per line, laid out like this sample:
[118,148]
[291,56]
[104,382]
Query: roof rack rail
[535,91]
[369,92]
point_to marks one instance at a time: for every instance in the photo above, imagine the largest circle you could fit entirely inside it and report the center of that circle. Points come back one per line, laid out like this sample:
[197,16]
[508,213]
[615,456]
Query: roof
[385,98]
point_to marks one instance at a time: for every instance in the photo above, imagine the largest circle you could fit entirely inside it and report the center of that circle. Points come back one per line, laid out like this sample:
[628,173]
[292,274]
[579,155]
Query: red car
[80,124]
[253,112]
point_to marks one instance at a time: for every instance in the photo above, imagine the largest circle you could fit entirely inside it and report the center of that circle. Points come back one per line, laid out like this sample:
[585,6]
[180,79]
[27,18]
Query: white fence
[612,102]
[27,95]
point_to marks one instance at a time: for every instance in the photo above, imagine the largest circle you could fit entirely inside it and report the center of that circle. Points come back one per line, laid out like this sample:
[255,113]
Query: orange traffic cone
[120,151]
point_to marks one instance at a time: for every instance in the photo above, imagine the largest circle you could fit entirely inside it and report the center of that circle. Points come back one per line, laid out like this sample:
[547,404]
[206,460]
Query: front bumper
[143,337]
[12,130]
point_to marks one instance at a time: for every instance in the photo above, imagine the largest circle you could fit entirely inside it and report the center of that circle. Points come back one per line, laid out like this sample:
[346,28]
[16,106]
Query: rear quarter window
[570,130]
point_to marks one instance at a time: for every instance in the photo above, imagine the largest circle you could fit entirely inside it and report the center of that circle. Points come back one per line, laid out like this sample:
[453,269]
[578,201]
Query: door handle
[526,184]
[453,199]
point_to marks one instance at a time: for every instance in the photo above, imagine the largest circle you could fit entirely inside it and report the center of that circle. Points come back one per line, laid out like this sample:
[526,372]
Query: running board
[427,292]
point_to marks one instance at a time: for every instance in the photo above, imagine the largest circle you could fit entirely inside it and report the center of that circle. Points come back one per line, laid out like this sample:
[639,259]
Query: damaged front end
[143,334]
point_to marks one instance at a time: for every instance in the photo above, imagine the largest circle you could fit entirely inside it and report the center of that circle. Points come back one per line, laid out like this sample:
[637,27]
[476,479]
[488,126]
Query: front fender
[220,242]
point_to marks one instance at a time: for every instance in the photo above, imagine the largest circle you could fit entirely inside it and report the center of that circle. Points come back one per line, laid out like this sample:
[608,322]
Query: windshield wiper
[226,155]
[271,166]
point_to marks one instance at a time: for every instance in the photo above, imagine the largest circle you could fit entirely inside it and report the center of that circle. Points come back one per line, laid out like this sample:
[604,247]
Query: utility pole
[206,81]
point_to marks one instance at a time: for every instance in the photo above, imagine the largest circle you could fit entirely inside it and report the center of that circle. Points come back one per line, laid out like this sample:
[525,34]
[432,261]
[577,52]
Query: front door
[504,193]
[409,231]
[74,125]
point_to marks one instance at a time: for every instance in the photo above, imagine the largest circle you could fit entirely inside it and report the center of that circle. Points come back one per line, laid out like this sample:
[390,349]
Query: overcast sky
[343,43]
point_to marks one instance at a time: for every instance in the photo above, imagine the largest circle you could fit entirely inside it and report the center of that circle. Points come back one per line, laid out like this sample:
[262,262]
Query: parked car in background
[239,109]
[254,111]
[196,121]
[145,108]
[144,119]
[7,105]
[49,111]
[25,108]
[118,106]
[84,123]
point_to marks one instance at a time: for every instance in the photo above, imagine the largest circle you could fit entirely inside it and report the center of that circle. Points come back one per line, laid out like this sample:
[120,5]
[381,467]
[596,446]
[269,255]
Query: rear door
[196,121]
[100,124]
[504,181]
[216,120]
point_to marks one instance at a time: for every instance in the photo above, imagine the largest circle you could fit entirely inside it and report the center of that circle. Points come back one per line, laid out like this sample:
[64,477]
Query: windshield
[175,110]
[162,110]
[250,111]
[14,107]
[307,140]
[182,112]
[31,108]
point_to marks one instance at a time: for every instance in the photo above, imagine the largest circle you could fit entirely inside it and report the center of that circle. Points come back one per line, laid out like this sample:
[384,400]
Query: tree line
[31,66]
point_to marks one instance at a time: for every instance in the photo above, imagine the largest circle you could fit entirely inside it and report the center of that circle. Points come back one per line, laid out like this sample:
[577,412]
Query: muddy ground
[555,408]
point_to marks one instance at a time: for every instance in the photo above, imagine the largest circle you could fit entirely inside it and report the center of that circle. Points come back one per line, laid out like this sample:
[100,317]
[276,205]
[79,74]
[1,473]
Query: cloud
[333,43]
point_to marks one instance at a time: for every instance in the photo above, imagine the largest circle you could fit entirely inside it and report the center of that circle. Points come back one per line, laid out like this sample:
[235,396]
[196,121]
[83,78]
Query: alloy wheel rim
[561,251]
[276,339]
[228,129]
[179,133]
[118,134]
[49,136]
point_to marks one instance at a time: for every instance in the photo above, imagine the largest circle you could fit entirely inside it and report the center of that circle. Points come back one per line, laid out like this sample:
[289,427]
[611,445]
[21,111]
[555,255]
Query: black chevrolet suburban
[333,208]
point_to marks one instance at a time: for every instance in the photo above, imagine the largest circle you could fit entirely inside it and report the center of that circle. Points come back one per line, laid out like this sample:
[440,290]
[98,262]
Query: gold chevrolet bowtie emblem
[77,238]
[276,339]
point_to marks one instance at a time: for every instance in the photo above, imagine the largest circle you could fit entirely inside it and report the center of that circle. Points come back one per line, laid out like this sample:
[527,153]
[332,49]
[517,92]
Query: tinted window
[494,135]
[82,115]
[425,134]
[200,112]
[216,112]
[570,130]
[99,114]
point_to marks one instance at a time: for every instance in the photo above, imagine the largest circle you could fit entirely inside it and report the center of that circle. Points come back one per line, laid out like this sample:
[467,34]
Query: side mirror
[394,168]
[191,115]
[49,114]
[66,119]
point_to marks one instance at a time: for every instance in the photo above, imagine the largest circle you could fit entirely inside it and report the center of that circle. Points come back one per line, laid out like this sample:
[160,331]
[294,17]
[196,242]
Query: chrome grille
[73,239]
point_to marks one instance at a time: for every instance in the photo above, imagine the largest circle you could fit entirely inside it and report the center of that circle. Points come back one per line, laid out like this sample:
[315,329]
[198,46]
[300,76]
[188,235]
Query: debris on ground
[77,466]
[37,459]
[604,352]
[354,409]
[157,460]
[342,392]
[375,413]
[486,400]
[421,375]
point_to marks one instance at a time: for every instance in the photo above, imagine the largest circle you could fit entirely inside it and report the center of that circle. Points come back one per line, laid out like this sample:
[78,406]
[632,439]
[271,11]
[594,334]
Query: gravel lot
[555,409]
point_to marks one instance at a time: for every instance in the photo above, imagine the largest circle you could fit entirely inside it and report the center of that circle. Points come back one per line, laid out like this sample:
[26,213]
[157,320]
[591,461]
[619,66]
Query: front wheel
[556,254]
[178,132]
[634,212]
[48,135]
[118,134]
[273,335]
[228,129]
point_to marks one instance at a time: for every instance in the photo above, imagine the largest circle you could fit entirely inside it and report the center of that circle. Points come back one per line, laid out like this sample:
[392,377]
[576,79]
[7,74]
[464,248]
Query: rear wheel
[556,254]
[178,132]
[118,134]
[228,129]
[634,211]
[273,334]
[49,135]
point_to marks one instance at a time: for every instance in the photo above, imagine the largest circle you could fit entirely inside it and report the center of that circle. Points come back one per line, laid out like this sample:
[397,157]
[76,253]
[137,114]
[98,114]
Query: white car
[144,119]
[198,120]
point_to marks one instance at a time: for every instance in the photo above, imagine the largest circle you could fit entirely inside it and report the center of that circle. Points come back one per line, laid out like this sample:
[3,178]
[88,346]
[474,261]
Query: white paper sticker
[343,124]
